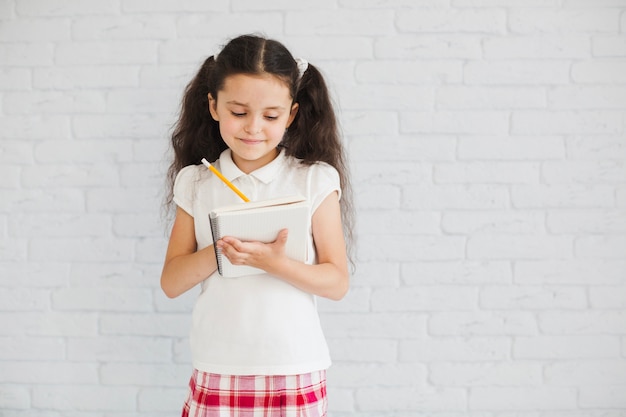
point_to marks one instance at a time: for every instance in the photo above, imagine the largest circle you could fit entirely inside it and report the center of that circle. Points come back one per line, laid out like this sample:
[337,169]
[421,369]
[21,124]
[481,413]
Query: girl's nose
[253,127]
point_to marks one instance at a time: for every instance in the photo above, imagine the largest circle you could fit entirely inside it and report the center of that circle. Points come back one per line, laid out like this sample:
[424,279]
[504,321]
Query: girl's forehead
[255,86]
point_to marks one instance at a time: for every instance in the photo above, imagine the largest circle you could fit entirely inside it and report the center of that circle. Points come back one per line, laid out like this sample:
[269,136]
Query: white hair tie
[302,66]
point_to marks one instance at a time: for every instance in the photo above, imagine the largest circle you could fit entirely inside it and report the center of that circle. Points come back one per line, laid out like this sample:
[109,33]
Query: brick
[249,5]
[400,222]
[26,348]
[600,247]
[35,30]
[401,97]
[26,372]
[84,398]
[85,77]
[336,52]
[517,72]
[24,299]
[592,172]
[214,25]
[519,247]
[338,22]
[411,398]
[10,176]
[455,272]
[471,197]
[122,126]
[562,196]
[533,298]
[455,122]
[613,297]
[485,374]
[47,323]
[93,150]
[153,6]
[599,72]
[370,123]
[119,349]
[377,197]
[14,398]
[463,97]
[570,272]
[35,127]
[596,147]
[153,400]
[571,46]
[455,349]
[53,103]
[608,46]
[385,375]
[353,352]
[493,222]
[409,248]
[102,299]
[522,398]
[482,323]
[66,7]
[563,21]
[587,221]
[566,347]
[374,325]
[586,372]
[427,72]
[455,20]
[566,122]
[398,173]
[467,47]
[29,274]
[612,396]
[138,225]
[146,375]
[511,148]
[15,79]
[592,322]
[43,201]
[80,249]
[587,97]
[123,27]
[486,173]
[498,3]
[368,274]
[28,54]
[417,147]
[424,298]
[125,52]
[69,176]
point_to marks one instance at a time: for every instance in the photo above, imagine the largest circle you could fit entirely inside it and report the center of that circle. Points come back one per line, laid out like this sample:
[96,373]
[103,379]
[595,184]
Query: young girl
[265,120]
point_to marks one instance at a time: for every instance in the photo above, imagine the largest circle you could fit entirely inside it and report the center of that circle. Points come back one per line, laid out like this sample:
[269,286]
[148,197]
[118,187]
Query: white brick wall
[487,141]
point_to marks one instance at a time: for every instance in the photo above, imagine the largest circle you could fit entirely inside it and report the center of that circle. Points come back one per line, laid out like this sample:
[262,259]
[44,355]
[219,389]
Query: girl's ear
[213,108]
[292,113]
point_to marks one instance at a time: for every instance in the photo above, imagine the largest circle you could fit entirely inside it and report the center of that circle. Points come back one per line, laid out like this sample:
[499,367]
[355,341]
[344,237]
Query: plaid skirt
[214,395]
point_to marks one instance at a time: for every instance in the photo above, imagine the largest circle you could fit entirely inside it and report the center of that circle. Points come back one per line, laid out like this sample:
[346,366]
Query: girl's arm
[184,266]
[329,278]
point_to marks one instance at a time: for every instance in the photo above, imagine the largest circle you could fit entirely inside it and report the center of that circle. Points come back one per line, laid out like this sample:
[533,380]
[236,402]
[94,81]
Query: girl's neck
[249,166]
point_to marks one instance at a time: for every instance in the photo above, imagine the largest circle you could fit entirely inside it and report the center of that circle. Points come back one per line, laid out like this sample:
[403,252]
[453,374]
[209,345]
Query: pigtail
[314,137]
[196,135]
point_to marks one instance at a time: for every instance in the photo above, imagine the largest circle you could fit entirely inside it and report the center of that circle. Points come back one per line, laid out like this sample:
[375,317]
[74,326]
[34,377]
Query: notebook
[261,221]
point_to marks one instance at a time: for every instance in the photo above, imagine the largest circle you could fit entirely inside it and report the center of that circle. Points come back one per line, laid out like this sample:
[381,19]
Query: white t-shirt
[254,325]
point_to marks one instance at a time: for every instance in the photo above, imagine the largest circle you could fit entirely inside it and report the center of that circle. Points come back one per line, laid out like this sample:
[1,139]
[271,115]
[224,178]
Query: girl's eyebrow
[236,103]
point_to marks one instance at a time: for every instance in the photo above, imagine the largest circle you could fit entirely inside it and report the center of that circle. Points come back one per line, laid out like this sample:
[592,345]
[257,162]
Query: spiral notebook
[261,221]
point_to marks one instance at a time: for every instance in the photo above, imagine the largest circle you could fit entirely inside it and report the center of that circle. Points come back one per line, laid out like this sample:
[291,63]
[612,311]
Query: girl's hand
[260,255]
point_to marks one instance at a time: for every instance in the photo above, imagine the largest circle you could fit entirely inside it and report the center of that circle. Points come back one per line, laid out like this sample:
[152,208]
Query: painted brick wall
[487,141]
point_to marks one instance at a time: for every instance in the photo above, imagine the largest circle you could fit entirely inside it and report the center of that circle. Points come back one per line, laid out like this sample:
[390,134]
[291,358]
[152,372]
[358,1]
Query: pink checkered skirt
[213,395]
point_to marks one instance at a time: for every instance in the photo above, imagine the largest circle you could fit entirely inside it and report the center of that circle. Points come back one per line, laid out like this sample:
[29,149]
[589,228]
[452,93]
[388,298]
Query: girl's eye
[237,114]
[271,117]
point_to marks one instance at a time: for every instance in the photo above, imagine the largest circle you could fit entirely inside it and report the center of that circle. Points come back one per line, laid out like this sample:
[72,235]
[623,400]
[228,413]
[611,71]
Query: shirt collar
[264,174]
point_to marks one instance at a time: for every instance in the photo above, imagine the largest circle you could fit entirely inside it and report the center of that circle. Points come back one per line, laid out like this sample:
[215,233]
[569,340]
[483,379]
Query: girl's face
[253,113]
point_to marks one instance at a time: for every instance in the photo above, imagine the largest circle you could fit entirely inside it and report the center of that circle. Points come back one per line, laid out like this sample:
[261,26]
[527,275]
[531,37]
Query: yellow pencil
[223,178]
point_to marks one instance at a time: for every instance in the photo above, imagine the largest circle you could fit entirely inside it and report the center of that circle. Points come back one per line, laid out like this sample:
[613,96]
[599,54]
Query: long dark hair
[312,137]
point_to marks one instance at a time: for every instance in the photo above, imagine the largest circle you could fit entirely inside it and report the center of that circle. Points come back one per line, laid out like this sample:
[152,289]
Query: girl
[266,122]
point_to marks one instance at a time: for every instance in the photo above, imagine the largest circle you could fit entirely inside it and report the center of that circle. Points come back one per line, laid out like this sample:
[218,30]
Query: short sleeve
[324,180]
[184,188]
